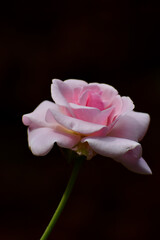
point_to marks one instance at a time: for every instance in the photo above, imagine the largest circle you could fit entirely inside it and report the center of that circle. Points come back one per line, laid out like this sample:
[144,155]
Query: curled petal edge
[125,151]
[41,140]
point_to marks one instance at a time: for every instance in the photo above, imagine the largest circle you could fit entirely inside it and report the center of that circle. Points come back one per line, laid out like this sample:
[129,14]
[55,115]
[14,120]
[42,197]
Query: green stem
[56,215]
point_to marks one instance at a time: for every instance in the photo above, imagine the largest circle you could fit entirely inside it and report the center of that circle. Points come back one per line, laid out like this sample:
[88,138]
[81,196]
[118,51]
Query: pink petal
[117,105]
[122,150]
[74,83]
[84,113]
[110,146]
[61,92]
[82,99]
[41,140]
[37,117]
[77,125]
[121,105]
[77,86]
[139,166]
[108,93]
[133,161]
[90,114]
[127,105]
[86,93]
[94,100]
[103,116]
[94,87]
[132,126]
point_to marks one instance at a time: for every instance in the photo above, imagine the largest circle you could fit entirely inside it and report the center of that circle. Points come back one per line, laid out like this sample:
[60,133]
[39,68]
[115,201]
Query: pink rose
[89,119]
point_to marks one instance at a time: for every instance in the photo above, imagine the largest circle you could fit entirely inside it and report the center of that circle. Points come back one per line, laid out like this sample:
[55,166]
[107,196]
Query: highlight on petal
[41,140]
[125,151]
[132,126]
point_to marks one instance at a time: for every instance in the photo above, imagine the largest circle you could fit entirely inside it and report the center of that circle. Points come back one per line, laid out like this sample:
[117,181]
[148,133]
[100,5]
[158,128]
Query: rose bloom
[89,119]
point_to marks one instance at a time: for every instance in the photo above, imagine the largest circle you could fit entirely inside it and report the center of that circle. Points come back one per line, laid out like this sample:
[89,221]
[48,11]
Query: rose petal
[74,83]
[127,105]
[108,93]
[76,125]
[133,161]
[126,151]
[84,113]
[37,117]
[117,105]
[132,126]
[121,105]
[61,92]
[111,146]
[41,140]
[86,93]
[94,87]
[90,114]
[82,98]
[139,166]
[77,86]
[108,90]
[94,100]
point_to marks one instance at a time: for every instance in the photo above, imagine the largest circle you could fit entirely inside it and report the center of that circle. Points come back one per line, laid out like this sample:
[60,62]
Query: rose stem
[62,203]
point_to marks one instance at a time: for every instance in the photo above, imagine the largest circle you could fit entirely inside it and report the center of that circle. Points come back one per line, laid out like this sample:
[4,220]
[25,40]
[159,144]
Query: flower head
[89,119]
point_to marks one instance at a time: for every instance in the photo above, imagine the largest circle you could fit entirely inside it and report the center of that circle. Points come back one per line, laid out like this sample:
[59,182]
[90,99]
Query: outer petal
[41,140]
[132,126]
[122,150]
[77,125]
[37,117]
[110,146]
[139,166]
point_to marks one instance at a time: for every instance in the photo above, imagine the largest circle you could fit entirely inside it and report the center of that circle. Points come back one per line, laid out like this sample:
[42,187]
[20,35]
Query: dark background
[115,42]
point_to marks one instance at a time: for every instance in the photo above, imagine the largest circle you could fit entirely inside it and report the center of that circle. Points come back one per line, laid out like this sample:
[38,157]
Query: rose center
[94,100]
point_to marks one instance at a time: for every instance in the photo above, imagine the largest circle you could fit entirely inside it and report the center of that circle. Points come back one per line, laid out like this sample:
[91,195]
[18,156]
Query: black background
[116,42]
